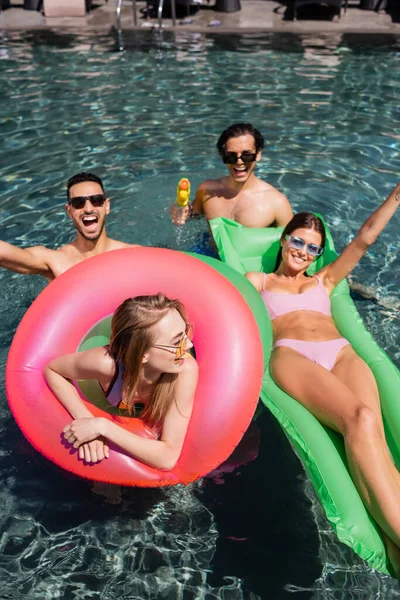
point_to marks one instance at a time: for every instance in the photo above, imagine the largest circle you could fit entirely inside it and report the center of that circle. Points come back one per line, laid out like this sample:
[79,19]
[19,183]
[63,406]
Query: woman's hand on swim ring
[85,434]
[83,430]
[94,451]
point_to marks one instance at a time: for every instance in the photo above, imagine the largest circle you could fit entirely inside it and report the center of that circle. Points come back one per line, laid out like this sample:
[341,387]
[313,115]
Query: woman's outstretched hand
[340,268]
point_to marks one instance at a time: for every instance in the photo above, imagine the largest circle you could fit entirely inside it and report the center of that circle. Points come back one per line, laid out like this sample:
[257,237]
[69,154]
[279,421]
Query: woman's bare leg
[352,408]
[358,377]
[393,553]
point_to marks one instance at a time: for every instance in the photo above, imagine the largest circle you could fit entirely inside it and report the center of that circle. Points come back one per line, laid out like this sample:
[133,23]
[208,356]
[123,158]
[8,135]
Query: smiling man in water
[87,207]
[241,195]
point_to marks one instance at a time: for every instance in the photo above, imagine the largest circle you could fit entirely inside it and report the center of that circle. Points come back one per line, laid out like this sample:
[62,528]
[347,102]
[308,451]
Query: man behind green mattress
[240,196]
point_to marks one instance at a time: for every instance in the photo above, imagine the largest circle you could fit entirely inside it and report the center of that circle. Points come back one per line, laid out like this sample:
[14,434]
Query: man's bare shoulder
[264,186]
[213,187]
[54,262]
[270,194]
[221,186]
[273,200]
[44,255]
[41,251]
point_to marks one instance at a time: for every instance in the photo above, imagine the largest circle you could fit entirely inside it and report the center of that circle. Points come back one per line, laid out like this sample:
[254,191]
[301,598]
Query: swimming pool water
[141,119]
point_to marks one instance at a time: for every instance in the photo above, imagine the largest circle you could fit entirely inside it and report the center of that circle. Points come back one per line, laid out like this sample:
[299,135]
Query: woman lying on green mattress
[314,364]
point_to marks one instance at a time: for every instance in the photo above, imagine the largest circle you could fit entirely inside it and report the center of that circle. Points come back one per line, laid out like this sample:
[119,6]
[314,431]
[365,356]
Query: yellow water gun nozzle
[183,192]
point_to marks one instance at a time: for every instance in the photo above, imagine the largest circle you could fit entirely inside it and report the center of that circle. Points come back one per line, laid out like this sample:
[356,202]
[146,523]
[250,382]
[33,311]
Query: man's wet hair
[236,130]
[82,178]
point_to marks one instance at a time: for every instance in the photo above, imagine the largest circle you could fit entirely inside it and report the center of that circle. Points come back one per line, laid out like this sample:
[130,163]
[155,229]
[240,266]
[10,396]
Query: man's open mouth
[240,171]
[90,221]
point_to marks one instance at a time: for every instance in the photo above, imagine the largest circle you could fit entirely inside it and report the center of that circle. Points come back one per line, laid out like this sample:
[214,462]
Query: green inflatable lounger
[321,449]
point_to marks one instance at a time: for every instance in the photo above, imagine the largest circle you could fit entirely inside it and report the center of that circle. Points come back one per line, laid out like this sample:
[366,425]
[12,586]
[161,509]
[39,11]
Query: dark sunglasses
[231,158]
[95,200]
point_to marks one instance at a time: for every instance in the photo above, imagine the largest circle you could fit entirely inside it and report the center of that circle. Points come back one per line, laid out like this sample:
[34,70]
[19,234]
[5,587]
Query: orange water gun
[183,192]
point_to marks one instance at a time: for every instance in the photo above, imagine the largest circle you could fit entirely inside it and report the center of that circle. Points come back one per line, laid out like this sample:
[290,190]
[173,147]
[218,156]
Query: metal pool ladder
[159,13]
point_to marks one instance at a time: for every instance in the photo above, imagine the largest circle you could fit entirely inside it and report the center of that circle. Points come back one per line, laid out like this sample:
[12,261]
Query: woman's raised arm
[340,268]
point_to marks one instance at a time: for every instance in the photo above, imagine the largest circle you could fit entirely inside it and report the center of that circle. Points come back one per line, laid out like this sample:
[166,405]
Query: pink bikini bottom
[322,353]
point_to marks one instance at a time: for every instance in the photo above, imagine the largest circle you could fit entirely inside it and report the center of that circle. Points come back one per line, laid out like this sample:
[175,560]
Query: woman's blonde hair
[132,335]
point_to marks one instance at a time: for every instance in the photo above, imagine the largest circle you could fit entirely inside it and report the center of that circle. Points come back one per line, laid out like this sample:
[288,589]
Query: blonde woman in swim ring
[145,369]
[314,364]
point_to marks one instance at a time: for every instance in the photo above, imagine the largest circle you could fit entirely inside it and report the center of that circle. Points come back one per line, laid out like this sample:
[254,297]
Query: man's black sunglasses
[231,158]
[95,200]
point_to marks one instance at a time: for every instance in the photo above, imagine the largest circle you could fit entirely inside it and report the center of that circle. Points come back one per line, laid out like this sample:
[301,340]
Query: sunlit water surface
[141,119]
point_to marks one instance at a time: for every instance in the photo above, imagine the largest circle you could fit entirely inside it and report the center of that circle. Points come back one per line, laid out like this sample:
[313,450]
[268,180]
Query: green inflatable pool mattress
[321,449]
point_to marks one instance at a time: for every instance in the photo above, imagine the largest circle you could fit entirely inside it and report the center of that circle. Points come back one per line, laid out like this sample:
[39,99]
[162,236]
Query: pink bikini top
[281,304]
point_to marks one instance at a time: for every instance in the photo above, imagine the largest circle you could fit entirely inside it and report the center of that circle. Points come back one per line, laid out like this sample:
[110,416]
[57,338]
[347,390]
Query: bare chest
[251,210]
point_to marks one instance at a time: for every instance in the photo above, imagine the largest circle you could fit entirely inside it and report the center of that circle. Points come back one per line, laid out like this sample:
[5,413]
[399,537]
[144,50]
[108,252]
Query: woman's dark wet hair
[303,220]
[236,130]
[82,178]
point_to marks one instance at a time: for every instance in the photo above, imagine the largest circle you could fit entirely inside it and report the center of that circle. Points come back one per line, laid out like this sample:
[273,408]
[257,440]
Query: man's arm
[180,214]
[28,261]
[196,208]
[283,210]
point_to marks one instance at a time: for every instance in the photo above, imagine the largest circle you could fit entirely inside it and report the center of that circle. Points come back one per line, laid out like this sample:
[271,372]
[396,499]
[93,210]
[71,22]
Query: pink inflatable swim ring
[227,344]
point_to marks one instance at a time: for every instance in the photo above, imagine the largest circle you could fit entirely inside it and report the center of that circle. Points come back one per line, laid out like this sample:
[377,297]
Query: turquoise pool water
[141,119]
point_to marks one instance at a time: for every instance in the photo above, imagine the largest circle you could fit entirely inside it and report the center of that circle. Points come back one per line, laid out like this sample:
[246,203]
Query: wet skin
[240,196]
